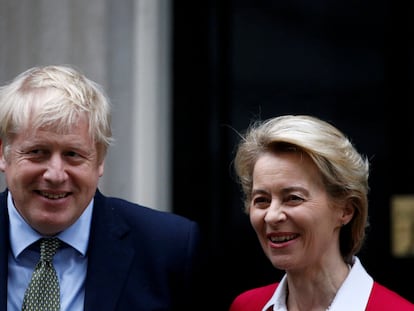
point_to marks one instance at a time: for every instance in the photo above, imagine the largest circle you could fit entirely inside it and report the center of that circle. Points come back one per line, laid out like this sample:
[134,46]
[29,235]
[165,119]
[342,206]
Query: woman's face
[294,219]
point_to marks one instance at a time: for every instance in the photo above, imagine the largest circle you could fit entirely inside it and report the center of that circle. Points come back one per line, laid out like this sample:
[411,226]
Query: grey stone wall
[117,44]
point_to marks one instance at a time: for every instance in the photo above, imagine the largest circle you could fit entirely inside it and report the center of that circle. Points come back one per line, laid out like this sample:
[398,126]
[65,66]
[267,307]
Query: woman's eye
[260,200]
[294,199]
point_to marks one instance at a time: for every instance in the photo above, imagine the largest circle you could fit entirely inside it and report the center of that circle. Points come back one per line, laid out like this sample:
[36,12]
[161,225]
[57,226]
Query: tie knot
[48,248]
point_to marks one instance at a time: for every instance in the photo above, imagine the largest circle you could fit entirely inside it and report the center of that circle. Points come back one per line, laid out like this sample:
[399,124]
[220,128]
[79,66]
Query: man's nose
[55,170]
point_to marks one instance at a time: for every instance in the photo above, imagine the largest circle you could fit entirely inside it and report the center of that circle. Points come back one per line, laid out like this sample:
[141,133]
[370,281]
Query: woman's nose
[275,213]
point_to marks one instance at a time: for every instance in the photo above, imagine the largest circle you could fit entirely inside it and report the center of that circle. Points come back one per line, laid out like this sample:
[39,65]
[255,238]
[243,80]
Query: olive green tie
[43,293]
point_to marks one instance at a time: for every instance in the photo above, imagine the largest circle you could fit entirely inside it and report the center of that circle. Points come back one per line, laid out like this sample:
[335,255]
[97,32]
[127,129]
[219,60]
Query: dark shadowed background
[348,62]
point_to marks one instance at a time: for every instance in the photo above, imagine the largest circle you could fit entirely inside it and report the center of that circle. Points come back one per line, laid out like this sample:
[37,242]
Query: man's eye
[72,154]
[35,151]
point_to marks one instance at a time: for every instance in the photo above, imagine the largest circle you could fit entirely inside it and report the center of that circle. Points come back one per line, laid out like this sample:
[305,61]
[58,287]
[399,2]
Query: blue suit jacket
[138,258]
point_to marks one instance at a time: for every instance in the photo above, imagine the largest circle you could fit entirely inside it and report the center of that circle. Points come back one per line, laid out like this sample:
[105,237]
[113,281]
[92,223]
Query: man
[114,255]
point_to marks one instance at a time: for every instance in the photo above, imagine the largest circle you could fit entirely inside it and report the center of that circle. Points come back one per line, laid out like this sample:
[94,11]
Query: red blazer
[380,299]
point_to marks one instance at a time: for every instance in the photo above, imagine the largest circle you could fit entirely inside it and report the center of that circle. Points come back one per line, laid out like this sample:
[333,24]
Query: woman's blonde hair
[344,171]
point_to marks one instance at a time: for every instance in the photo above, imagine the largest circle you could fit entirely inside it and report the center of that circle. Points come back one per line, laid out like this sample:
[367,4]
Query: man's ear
[101,168]
[2,159]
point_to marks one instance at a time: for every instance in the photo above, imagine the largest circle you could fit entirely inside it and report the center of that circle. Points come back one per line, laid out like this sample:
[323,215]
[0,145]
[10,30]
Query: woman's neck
[314,290]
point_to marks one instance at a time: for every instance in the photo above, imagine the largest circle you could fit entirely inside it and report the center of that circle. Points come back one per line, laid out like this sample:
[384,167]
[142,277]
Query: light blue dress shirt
[70,261]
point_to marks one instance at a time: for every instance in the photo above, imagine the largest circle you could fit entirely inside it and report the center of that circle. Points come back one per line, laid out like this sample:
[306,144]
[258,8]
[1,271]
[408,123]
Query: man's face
[52,177]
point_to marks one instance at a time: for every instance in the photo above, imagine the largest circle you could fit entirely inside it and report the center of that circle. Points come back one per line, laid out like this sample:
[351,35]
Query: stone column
[124,46]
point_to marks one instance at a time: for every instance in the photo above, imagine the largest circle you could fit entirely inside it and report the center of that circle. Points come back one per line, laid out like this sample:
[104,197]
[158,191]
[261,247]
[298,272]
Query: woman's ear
[347,212]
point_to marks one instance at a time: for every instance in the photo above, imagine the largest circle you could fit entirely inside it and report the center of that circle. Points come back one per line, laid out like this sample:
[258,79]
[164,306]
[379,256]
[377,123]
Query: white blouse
[352,295]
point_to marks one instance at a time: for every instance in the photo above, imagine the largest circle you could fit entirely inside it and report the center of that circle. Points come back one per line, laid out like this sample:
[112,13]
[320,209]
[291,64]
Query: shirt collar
[22,235]
[355,290]
[352,295]
[278,300]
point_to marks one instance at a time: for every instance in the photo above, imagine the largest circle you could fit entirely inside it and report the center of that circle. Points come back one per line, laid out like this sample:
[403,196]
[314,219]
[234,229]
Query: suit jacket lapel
[109,257]
[4,250]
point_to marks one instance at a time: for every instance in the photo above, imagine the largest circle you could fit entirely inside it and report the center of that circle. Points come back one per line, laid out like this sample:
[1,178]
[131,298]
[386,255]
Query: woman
[305,190]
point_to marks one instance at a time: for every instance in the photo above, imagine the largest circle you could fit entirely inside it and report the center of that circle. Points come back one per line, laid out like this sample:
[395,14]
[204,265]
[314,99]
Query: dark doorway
[235,61]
